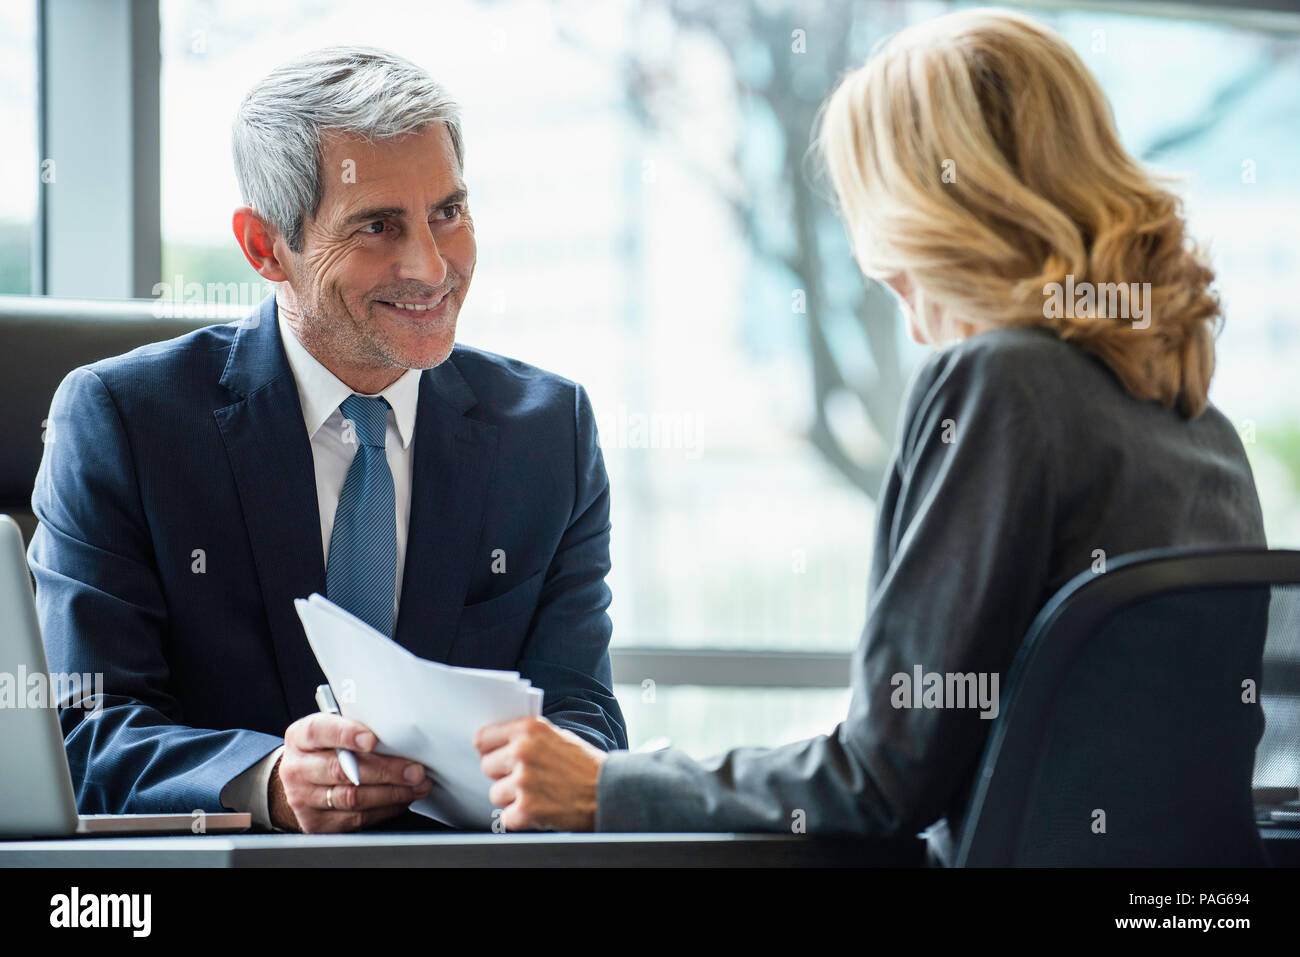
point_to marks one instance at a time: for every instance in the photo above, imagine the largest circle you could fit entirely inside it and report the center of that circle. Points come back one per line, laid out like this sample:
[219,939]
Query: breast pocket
[491,633]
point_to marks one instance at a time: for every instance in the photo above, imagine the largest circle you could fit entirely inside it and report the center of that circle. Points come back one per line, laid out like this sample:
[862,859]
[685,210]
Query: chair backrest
[1277,759]
[1129,725]
[45,339]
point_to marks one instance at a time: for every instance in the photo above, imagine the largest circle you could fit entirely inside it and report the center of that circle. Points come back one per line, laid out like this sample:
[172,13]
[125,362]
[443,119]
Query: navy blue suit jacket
[178,521]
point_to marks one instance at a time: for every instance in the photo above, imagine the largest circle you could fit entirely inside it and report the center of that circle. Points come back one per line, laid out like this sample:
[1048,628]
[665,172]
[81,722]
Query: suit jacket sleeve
[567,650]
[962,546]
[102,610]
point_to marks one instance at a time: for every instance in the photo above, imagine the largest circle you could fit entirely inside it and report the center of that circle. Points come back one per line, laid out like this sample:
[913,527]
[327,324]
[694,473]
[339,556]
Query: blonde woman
[1063,416]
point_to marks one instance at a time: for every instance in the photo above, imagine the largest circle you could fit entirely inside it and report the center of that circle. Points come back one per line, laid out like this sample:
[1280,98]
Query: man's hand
[545,777]
[308,778]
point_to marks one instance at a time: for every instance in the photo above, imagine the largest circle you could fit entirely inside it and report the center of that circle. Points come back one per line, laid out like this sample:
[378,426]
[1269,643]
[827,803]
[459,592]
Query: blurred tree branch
[733,26]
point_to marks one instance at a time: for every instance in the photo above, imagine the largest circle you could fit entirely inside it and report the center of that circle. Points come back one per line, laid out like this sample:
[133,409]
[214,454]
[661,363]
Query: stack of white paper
[419,709]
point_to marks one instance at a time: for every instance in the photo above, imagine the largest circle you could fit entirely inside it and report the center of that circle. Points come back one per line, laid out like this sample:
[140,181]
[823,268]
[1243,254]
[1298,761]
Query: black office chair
[1128,730]
[46,338]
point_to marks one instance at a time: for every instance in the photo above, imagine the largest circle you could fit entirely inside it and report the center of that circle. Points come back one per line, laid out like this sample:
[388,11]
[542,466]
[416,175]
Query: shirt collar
[320,391]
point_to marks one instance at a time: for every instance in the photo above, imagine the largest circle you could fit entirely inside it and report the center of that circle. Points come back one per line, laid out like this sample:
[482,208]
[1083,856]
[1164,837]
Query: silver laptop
[36,796]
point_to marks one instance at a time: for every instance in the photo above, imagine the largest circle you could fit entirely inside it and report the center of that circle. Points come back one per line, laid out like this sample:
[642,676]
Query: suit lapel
[454,456]
[271,458]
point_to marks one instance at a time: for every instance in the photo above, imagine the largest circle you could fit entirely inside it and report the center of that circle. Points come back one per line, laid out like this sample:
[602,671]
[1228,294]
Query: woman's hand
[545,777]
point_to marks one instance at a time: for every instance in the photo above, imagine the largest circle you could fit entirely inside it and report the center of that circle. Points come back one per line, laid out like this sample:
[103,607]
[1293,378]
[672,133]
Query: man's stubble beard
[358,340]
[381,348]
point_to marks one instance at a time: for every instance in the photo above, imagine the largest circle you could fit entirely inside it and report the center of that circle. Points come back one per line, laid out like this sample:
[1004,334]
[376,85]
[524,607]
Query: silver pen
[325,701]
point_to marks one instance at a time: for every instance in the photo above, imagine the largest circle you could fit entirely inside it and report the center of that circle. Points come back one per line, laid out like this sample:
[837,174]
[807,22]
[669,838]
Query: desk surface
[402,849]
[461,850]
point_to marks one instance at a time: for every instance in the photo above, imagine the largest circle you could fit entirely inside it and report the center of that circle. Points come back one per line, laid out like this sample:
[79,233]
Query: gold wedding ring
[329,797]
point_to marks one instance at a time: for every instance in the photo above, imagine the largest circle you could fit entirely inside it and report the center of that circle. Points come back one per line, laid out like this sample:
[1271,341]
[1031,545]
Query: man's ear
[257,240]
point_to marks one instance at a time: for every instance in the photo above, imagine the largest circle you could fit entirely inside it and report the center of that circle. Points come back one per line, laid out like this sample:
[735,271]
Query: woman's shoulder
[1008,370]
[1029,353]
[1033,364]
[1039,392]
[1012,370]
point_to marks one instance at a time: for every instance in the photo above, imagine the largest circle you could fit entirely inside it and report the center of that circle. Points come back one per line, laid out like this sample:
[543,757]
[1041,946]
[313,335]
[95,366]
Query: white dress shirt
[320,393]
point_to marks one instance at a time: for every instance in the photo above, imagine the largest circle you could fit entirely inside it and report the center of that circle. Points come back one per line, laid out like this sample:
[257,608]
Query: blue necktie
[361,573]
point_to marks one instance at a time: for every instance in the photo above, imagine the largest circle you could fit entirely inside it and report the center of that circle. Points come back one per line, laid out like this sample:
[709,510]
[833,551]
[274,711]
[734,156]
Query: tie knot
[369,418]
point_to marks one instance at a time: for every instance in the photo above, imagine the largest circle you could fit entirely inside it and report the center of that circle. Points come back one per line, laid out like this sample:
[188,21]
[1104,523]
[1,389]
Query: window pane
[19,167]
[603,258]
[645,227]
[708,721]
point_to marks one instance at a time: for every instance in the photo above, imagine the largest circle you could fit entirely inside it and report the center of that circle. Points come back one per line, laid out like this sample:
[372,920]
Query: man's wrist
[282,816]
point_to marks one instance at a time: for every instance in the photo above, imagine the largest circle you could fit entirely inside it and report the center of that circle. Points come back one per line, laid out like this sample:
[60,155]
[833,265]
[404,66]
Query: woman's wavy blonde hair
[976,155]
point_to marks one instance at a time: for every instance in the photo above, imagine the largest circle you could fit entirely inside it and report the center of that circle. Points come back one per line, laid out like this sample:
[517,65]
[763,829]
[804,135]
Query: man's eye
[454,208]
[377,222]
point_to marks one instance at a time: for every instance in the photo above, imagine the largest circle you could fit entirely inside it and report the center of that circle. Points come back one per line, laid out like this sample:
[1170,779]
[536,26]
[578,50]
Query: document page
[420,710]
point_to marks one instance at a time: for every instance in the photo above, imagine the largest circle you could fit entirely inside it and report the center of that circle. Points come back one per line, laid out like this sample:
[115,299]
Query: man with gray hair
[335,441]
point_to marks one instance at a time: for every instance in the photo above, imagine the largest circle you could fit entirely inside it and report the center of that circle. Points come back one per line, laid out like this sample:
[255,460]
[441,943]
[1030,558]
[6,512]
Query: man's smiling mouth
[417,305]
